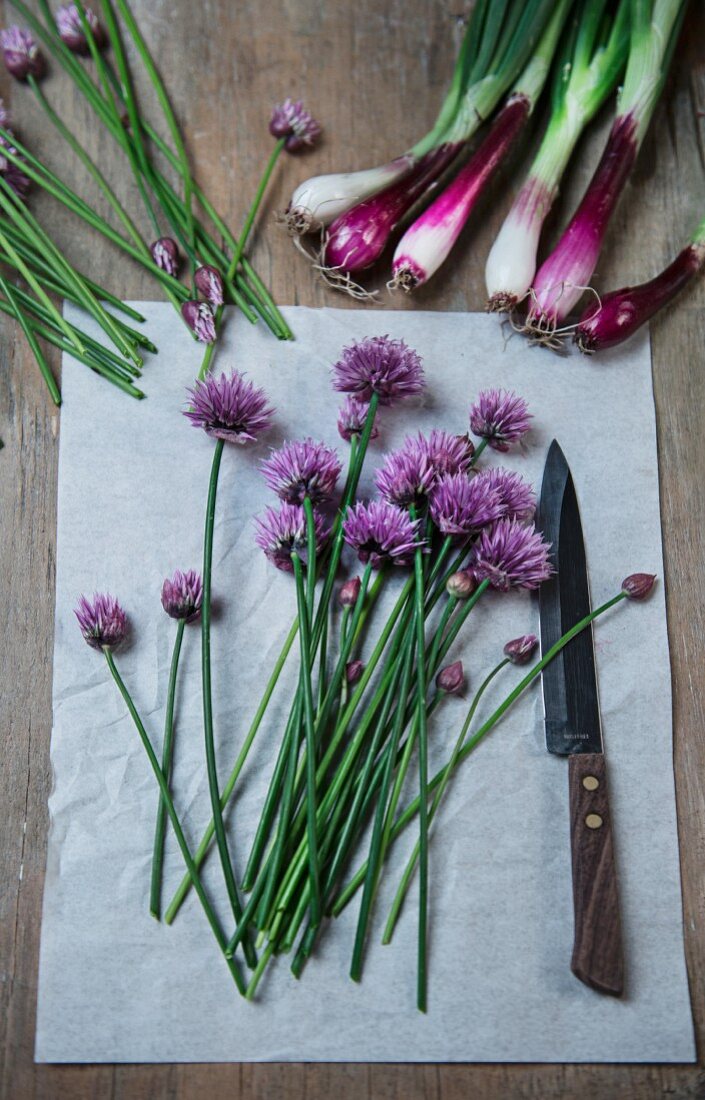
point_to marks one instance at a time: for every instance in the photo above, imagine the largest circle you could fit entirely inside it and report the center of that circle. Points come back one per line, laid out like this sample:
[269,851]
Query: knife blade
[574,729]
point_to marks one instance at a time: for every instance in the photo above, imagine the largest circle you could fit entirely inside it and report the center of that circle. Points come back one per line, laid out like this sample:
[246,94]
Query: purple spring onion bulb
[428,241]
[229,408]
[381,533]
[318,201]
[462,584]
[21,54]
[102,621]
[165,253]
[70,28]
[282,532]
[209,283]
[637,586]
[511,555]
[501,417]
[379,365]
[451,679]
[182,594]
[200,319]
[563,278]
[520,650]
[351,419]
[13,175]
[302,469]
[516,497]
[358,237]
[353,672]
[621,313]
[349,592]
[461,506]
[291,121]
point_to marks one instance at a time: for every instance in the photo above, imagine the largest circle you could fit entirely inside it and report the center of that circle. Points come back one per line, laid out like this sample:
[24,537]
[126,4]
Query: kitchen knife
[573,729]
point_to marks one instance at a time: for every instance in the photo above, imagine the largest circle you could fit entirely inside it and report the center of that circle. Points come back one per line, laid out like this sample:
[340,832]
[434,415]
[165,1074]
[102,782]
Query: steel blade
[570,696]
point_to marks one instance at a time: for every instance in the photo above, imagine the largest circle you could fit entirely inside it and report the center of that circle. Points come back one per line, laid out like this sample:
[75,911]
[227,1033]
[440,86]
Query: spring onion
[567,272]
[356,239]
[622,312]
[427,242]
[586,75]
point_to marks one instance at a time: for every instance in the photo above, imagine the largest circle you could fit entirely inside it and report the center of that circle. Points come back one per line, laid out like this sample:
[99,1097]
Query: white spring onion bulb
[320,200]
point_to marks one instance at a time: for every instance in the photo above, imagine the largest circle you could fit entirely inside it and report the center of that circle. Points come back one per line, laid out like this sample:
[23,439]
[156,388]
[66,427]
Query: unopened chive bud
[520,650]
[182,595]
[637,586]
[21,54]
[348,595]
[199,318]
[165,254]
[353,672]
[451,679]
[461,584]
[209,283]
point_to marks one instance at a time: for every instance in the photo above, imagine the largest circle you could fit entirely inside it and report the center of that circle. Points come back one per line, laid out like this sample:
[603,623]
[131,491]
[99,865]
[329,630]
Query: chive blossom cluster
[370,677]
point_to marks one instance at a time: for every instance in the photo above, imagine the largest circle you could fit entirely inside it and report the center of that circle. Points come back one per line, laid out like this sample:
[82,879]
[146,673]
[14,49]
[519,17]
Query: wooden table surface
[374,72]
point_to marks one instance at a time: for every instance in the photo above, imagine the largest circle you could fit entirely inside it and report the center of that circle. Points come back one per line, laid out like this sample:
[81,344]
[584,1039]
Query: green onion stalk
[565,275]
[587,73]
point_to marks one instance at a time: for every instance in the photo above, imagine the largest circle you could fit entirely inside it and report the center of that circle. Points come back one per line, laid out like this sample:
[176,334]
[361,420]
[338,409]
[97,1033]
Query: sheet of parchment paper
[117,986]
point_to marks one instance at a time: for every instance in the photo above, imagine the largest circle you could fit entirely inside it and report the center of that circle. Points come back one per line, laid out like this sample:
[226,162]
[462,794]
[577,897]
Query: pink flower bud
[353,672]
[21,54]
[451,679]
[461,584]
[199,318]
[165,254]
[637,586]
[347,597]
[209,283]
[70,28]
[520,650]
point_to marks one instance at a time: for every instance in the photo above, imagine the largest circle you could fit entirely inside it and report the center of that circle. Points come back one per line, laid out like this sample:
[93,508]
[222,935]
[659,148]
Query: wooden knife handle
[598,959]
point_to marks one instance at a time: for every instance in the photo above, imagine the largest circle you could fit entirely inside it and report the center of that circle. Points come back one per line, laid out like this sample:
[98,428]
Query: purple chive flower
[407,475]
[461,584]
[516,496]
[500,417]
[165,253]
[351,419]
[290,120]
[510,555]
[282,532]
[14,177]
[461,505]
[637,586]
[353,672]
[349,592]
[381,366]
[182,595]
[21,54]
[200,319]
[301,469]
[449,454]
[451,679]
[229,408]
[70,28]
[102,621]
[520,650]
[209,283]
[381,533]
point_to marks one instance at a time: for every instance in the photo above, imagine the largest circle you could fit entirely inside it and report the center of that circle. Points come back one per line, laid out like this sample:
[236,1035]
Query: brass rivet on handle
[593,821]
[591,783]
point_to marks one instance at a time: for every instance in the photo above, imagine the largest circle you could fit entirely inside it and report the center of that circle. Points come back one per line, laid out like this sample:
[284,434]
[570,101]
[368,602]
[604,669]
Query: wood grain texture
[374,72]
[598,955]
